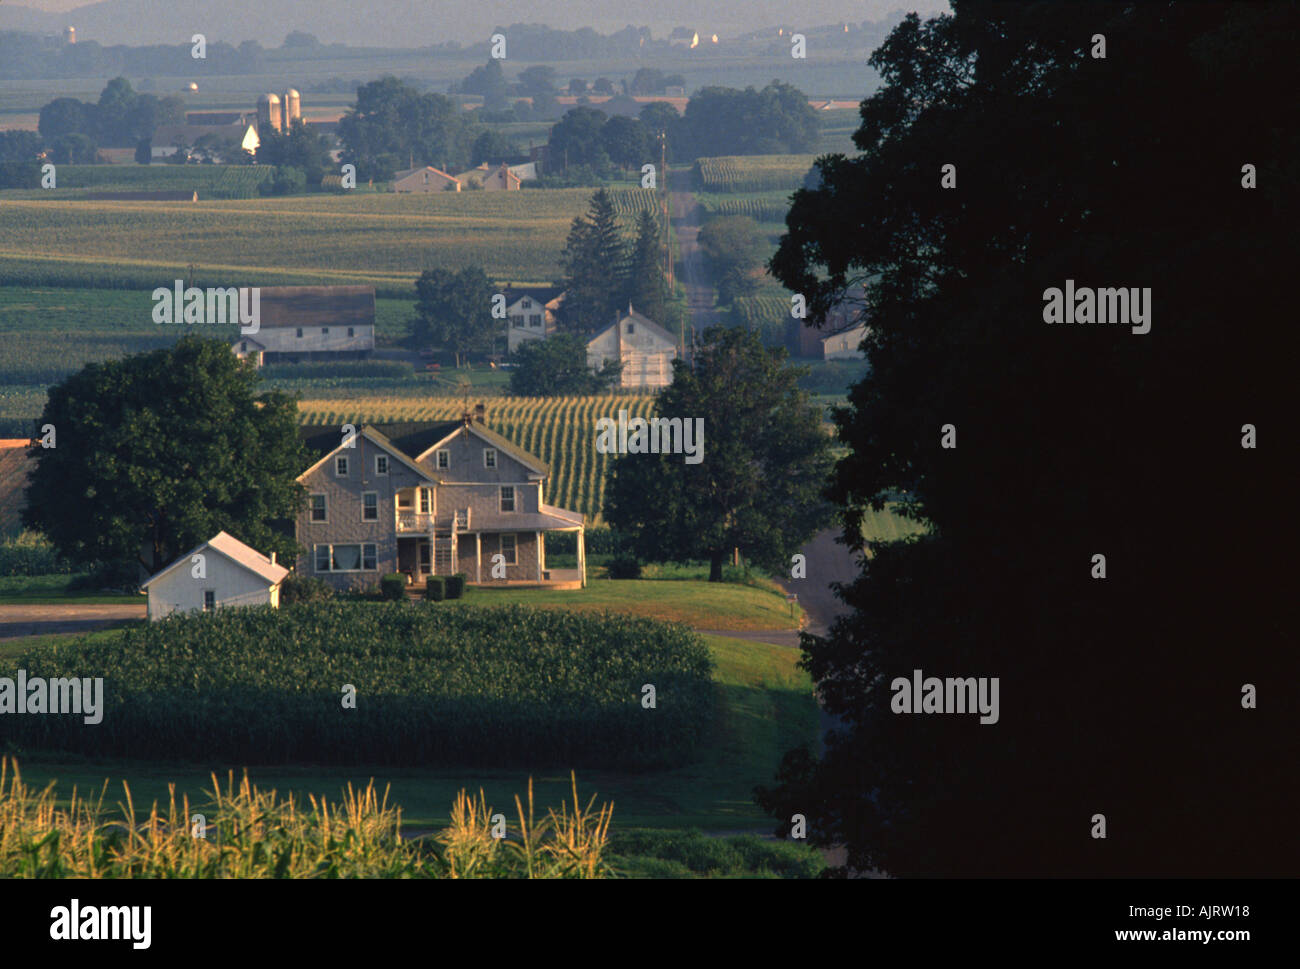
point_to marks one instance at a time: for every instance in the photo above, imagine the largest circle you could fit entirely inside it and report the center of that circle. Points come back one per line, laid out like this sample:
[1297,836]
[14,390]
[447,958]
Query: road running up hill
[686,218]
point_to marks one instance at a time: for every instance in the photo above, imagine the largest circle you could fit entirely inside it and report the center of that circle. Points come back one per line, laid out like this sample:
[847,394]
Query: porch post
[478,558]
[537,547]
[582,556]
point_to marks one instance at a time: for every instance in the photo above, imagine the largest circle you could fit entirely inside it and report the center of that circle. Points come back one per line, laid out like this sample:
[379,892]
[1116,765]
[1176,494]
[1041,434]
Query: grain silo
[268,111]
[69,35]
[292,107]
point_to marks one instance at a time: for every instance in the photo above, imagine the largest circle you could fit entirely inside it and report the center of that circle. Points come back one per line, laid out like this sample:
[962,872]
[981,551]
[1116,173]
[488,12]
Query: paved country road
[18,621]
[685,215]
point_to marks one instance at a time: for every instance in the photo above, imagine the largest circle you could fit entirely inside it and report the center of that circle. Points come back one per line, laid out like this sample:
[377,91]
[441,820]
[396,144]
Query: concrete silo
[69,35]
[269,111]
[292,107]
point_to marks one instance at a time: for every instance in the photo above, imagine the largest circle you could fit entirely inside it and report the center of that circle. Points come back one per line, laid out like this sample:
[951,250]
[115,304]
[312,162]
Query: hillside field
[383,239]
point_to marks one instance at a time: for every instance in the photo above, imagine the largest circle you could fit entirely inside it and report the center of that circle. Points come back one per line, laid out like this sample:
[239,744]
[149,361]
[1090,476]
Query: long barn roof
[285,306]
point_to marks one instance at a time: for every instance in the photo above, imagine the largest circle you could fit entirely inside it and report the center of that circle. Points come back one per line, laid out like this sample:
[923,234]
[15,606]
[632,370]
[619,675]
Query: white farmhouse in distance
[530,315]
[645,349]
[232,575]
[310,323]
[426,179]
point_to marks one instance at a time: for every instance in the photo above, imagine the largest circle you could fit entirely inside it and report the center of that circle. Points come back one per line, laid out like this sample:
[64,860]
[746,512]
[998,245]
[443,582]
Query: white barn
[232,575]
[645,349]
[531,316]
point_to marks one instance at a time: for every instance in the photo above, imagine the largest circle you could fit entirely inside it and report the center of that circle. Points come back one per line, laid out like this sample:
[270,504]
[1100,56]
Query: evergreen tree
[645,283]
[594,259]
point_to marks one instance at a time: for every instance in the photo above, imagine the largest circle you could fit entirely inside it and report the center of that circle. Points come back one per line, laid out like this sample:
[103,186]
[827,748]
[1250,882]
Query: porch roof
[527,522]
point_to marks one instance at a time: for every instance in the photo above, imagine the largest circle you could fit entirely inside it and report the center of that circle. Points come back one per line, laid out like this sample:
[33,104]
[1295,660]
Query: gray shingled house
[424,499]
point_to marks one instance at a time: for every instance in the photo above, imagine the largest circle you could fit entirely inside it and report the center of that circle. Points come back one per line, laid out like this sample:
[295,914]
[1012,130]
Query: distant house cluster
[311,323]
[839,338]
[645,348]
[502,178]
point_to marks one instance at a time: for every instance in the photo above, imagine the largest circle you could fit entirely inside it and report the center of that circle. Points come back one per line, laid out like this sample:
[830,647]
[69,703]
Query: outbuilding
[221,572]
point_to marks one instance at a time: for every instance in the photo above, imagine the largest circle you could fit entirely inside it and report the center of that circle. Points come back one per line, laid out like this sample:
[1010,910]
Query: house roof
[541,294]
[398,176]
[285,306]
[641,320]
[496,440]
[324,441]
[842,331]
[235,550]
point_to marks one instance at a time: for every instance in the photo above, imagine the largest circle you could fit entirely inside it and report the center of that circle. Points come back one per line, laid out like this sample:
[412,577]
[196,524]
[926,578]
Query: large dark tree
[594,268]
[392,125]
[156,453]
[557,366]
[576,140]
[764,464]
[1120,696]
[453,311]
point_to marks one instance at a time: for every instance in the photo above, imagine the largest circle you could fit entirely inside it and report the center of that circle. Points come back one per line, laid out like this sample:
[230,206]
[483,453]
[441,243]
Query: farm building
[530,315]
[500,178]
[426,179]
[235,138]
[220,573]
[429,498]
[684,37]
[844,344]
[305,323]
[645,348]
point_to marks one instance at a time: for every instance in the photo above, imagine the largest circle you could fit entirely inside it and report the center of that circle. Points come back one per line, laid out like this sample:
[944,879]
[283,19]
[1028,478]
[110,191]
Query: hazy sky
[362,21]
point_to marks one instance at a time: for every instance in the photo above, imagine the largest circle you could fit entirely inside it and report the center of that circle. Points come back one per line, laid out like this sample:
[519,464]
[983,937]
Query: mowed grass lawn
[703,605]
[511,235]
[766,708]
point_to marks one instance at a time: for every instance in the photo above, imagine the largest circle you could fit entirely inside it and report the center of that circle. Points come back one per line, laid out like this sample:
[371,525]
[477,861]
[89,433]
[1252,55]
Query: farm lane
[42,620]
[685,218]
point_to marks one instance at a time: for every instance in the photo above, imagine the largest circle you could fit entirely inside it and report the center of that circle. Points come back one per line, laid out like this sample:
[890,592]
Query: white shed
[221,572]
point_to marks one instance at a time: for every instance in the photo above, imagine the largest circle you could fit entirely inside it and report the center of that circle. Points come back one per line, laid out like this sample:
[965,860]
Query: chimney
[465,417]
[272,558]
[480,413]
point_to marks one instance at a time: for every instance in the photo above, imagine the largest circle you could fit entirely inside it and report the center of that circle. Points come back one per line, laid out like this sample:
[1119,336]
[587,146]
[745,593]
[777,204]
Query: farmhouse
[221,572]
[531,315]
[429,498]
[645,349]
[307,323]
[426,179]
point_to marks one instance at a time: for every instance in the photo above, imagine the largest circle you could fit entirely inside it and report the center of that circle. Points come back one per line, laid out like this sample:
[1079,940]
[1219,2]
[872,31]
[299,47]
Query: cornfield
[210,181]
[241,831]
[325,238]
[449,685]
[752,173]
[760,208]
[559,430]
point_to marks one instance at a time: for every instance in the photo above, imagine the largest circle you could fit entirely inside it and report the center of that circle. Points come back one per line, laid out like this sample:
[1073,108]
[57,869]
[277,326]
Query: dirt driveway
[19,621]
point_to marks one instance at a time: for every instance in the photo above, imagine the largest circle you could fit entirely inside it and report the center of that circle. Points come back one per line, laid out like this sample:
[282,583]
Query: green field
[752,173]
[386,239]
[766,707]
[210,181]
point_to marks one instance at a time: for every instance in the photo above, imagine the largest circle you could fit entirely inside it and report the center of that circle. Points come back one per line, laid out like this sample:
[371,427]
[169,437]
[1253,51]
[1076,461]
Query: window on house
[318,508]
[324,329]
[489,457]
[444,460]
[507,497]
[300,331]
[346,558]
[370,506]
[352,331]
[426,500]
[209,600]
[404,499]
[243,348]
[340,467]
[526,304]
[631,328]
[381,464]
[535,319]
[509,549]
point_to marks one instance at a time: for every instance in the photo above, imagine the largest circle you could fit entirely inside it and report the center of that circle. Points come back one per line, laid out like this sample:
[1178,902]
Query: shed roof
[232,548]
